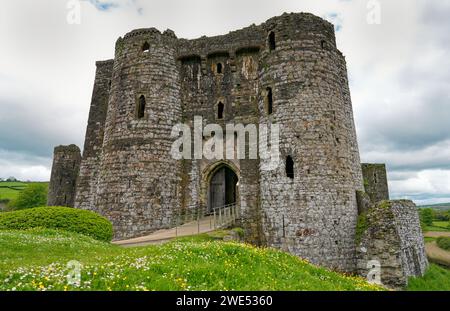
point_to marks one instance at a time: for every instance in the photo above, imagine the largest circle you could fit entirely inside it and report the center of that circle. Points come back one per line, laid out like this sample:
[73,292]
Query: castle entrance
[222,188]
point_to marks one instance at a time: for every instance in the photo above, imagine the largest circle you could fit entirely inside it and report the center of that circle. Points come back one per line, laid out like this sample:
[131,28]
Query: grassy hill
[38,260]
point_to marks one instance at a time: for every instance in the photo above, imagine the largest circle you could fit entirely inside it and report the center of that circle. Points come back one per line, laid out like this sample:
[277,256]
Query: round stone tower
[308,202]
[65,168]
[137,187]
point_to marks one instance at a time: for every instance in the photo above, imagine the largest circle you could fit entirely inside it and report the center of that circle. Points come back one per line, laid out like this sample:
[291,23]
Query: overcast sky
[398,69]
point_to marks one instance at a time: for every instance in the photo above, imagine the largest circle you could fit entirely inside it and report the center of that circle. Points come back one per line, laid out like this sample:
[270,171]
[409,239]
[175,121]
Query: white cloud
[24,167]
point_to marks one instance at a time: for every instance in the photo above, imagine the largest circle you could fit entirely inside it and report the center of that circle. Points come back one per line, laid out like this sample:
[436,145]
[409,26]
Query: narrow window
[219,67]
[220,108]
[146,47]
[289,167]
[323,43]
[272,41]
[269,100]
[141,107]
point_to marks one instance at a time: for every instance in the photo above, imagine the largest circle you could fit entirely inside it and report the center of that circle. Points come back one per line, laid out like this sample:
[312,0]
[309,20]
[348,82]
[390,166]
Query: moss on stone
[366,183]
[361,227]
[385,204]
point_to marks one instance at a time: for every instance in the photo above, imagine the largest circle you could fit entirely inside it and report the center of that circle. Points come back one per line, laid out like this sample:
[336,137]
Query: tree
[442,215]
[426,216]
[32,196]
[12,179]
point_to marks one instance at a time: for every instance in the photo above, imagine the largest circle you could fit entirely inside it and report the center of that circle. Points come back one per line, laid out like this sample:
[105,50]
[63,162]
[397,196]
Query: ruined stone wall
[89,170]
[375,181]
[390,238]
[65,169]
[314,214]
[139,182]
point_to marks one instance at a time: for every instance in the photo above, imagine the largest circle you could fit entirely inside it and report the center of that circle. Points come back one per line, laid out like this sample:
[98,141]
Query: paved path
[435,234]
[192,228]
[437,255]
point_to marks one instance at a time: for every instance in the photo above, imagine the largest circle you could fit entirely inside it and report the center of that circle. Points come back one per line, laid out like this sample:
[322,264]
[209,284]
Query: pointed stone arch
[207,177]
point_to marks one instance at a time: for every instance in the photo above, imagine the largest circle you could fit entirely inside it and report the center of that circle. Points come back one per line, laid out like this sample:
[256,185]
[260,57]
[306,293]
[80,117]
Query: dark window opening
[289,167]
[269,100]
[146,47]
[323,44]
[220,108]
[375,177]
[141,107]
[272,45]
[219,67]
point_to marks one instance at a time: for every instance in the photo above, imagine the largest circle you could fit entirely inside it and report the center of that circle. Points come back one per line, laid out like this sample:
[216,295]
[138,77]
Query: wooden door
[217,189]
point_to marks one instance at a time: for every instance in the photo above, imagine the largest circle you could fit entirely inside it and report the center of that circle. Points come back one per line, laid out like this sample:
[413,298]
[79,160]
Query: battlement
[288,26]
[61,149]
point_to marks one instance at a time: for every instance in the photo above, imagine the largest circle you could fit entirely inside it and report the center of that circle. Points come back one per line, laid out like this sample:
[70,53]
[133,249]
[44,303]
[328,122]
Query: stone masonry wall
[65,168]
[375,181]
[314,214]
[237,87]
[139,182]
[390,238]
[89,170]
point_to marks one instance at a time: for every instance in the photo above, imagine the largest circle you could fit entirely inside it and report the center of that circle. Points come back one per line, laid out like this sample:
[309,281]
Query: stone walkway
[192,228]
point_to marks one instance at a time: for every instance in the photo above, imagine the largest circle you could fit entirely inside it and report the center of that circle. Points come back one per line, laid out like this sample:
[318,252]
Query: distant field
[10,190]
[441,206]
[439,226]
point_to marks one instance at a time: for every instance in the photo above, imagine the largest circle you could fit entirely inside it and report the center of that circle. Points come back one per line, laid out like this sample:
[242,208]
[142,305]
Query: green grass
[435,279]
[10,190]
[439,226]
[443,224]
[37,260]
[443,243]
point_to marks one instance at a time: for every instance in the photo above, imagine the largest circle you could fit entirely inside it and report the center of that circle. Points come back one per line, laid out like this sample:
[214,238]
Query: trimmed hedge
[444,243]
[63,218]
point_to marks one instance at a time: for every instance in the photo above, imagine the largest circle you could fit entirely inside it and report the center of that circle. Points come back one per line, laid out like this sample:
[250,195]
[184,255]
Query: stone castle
[319,203]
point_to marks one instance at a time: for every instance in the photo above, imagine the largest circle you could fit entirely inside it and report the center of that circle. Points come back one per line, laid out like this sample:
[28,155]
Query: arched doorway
[222,188]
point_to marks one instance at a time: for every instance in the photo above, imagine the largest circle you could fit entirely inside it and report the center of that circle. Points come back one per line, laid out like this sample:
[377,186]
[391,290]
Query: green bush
[32,196]
[426,216]
[55,217]
[444,243]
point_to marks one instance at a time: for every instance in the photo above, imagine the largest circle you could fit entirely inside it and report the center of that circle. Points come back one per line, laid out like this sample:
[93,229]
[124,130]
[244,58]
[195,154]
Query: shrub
[55,217]
[444,243]
[32,196]
[426,216]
